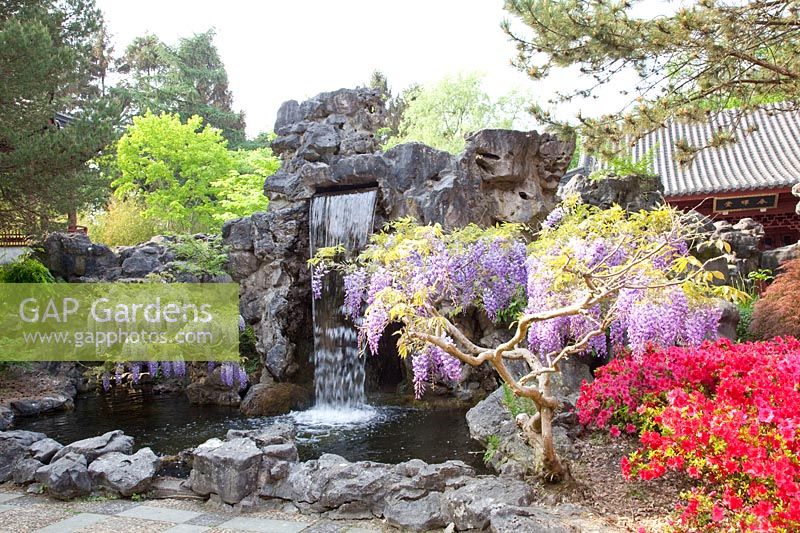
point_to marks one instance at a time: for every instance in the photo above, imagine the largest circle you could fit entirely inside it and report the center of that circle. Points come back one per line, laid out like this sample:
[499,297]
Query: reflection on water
[169,424]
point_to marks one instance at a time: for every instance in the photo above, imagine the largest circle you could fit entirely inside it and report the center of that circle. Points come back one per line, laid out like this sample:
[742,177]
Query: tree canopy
[705,56]
[48,63]
[440,115]
[187,79]
[185,175]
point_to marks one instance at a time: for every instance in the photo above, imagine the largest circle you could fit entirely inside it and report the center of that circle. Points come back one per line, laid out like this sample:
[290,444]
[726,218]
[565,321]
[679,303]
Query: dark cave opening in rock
[385,372]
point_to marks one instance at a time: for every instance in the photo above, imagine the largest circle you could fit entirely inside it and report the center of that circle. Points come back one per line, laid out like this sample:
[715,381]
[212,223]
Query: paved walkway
[24,513]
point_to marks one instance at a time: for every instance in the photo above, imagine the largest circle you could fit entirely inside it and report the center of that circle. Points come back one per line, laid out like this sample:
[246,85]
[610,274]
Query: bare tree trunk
[553,468]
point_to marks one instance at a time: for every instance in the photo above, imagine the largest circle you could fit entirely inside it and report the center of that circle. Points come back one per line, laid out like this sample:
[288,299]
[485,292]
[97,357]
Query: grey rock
[470,506]
[421,514]
[490,417]
[333,483]
[508,519]
[44,450]
[772,259]
[65,478]
[11,452]
[632,193]
[277,433]
[6,417]
[226,468]
[22,437]
[94,447]
[23,472]
[139,265]
[125,474]
[729,320]
[72,256]
[37,406]
[210,390]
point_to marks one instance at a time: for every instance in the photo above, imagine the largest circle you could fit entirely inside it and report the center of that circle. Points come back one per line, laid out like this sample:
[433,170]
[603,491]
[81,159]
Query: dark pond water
[169,424]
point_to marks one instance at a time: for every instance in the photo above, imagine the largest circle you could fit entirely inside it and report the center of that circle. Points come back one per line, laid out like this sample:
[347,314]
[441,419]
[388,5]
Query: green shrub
[200,256]
[25,270]
[122,223]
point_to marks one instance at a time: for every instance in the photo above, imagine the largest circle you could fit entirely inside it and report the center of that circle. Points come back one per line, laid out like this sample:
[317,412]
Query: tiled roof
[766,153]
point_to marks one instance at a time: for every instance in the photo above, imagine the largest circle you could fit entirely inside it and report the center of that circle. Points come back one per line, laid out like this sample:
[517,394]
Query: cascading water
[345,219]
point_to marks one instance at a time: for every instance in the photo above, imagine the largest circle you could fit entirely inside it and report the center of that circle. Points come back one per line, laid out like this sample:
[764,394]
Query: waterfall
[346,219]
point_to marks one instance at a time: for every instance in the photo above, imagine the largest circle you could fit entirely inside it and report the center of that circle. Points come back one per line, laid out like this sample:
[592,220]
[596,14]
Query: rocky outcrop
[75,258]
[94,447]
[44,450]
[772,259]
[208,389]
[632,193]
[66,477]
[102,463]
[249,467]
[328,143]
[272,399]
[124,474]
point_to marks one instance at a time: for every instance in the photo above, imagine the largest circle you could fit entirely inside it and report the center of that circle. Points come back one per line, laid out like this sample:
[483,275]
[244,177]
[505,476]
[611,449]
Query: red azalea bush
[727,415]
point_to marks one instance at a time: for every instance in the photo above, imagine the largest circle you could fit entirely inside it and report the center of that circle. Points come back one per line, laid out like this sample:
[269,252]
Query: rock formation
[327,143]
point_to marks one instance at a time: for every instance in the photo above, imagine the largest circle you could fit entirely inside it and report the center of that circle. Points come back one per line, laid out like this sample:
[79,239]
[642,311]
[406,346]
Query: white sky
[294,49]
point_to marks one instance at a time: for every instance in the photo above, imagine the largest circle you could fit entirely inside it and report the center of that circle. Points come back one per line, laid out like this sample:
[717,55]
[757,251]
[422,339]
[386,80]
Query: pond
[169,424]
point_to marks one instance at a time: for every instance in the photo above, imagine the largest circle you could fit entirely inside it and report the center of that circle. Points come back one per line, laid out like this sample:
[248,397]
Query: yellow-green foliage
[122,223]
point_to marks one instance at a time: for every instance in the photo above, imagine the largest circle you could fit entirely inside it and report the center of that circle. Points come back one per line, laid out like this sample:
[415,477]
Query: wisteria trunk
[538,431]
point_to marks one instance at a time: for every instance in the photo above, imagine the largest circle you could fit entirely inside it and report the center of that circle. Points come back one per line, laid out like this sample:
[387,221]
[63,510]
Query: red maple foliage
[777,312]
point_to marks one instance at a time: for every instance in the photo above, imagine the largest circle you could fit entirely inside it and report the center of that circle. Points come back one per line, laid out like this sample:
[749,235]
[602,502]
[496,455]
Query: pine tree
[706,56]
[46,56]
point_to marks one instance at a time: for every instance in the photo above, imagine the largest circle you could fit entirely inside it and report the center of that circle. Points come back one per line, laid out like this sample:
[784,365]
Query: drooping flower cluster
[726,415]
[629,275]
[232,373]
[432,363]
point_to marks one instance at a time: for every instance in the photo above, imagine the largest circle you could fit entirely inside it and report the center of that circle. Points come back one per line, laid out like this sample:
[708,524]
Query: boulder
[333,484]
[22,437]
[772,259]
[24,471]
[125,474]
[65,478]
[44,450]
[37,406]
[11,452]
[6,417]
[632,193]
[421,514]
[94,447]
[210,390]
[510,519]
[226,468]
[470,506]
[271,399]
[491,418]
[277,433]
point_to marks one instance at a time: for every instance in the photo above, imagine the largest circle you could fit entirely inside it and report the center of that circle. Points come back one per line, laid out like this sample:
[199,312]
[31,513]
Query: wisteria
[421,277]
[433,363]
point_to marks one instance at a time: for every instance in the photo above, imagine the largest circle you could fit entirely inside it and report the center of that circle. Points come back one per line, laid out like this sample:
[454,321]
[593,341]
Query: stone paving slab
[148,512]
[25,513]
[263,525]
[187,528]
[75,523]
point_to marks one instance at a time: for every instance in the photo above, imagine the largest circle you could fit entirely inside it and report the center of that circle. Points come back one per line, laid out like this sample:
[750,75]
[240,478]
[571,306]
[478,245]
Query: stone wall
[328,143]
